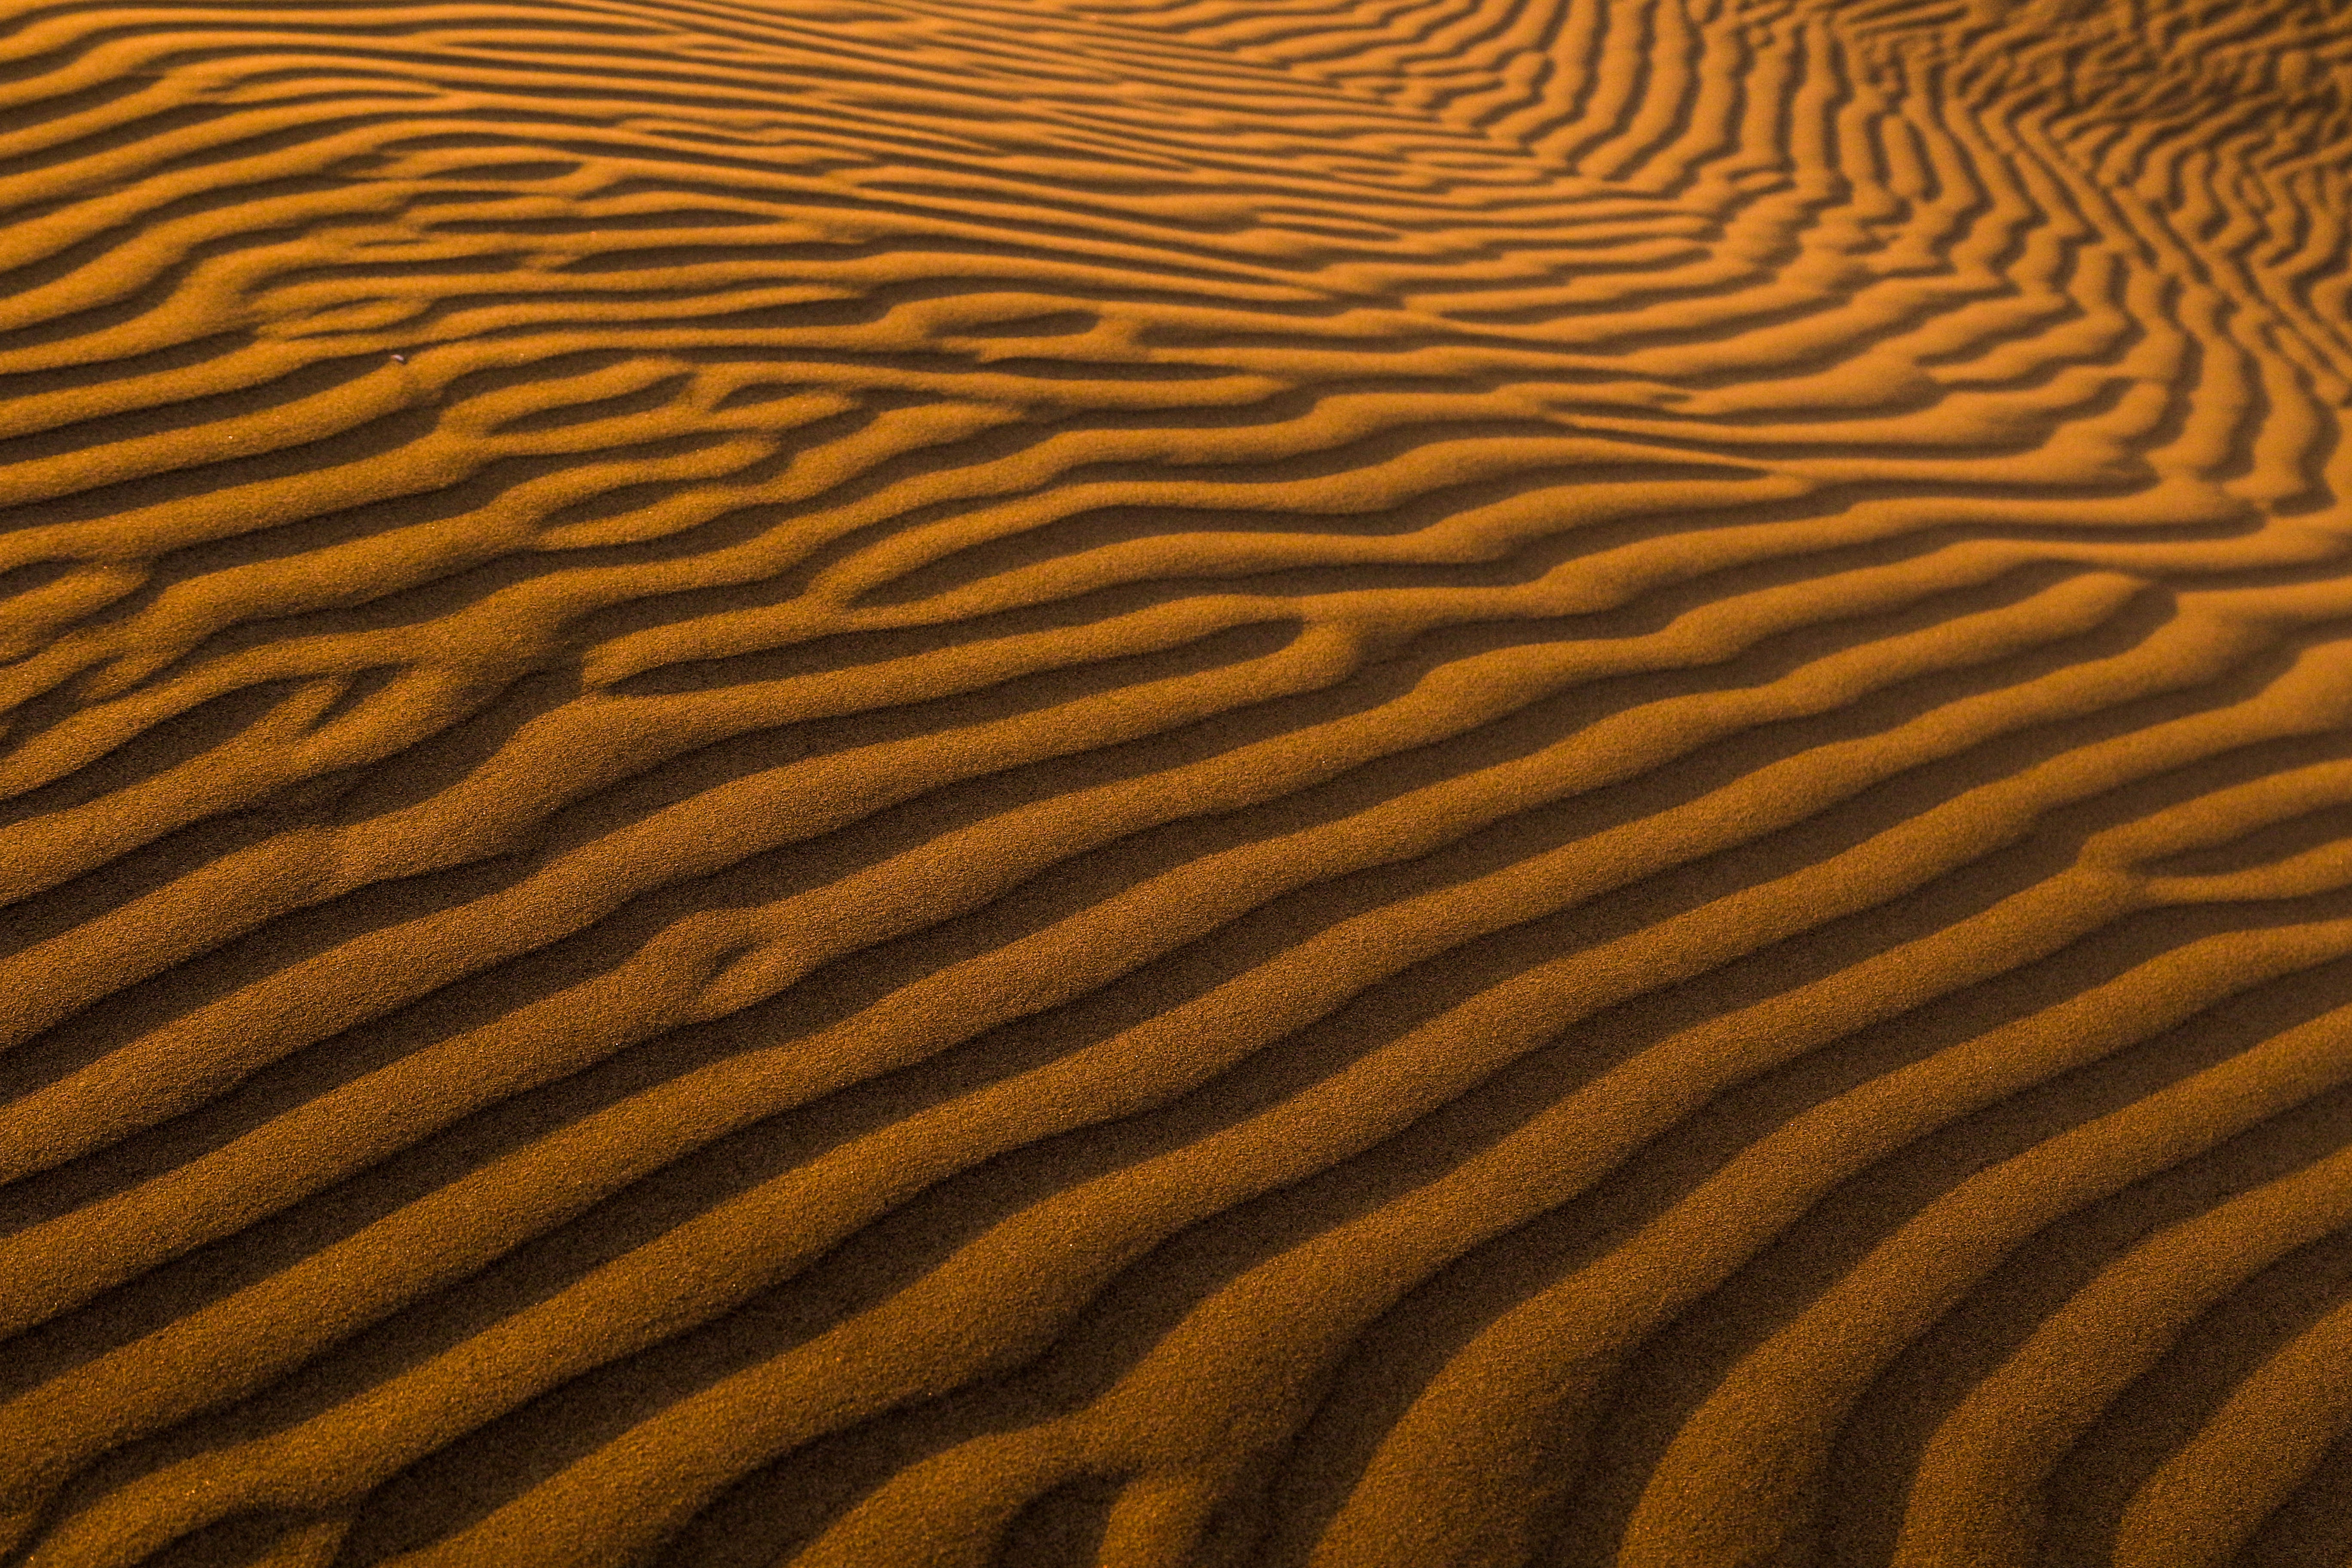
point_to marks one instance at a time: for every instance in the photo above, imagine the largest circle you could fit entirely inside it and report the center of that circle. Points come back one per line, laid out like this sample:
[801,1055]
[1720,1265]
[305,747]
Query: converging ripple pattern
[1277,784]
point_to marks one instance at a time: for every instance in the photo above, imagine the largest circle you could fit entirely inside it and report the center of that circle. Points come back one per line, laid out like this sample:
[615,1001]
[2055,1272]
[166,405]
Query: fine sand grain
[1176,783]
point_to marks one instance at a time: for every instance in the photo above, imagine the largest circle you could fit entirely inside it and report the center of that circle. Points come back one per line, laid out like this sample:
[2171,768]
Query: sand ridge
[946,782]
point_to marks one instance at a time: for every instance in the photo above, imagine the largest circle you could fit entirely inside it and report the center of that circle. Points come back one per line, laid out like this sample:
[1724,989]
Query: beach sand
[1176,783]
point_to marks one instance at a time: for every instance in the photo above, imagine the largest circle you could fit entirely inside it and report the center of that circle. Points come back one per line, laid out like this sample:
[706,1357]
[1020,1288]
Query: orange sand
[1176,783]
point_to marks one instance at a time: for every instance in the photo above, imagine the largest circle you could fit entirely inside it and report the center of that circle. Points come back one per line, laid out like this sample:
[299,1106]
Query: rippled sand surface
[1176,783]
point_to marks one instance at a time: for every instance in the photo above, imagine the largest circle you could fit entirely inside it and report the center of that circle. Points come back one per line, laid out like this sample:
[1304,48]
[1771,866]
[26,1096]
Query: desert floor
[1176,783]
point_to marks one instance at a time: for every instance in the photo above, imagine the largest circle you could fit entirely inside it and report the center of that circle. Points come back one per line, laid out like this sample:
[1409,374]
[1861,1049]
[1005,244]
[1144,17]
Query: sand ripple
[1322,784]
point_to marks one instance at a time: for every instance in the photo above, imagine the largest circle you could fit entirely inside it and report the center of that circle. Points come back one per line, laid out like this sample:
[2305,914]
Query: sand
[1176,783]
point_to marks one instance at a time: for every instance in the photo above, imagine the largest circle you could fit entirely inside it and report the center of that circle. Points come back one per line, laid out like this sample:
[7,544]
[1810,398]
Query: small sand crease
[1092,784]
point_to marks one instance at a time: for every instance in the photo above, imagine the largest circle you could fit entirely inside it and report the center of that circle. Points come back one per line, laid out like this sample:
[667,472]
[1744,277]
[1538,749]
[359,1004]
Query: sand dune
[1307,783]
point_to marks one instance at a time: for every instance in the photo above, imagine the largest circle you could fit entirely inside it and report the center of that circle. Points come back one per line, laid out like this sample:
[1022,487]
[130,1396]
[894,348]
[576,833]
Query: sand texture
[1176,783]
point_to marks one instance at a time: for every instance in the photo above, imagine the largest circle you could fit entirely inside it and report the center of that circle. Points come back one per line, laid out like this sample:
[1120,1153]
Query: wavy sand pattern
[1323,784]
